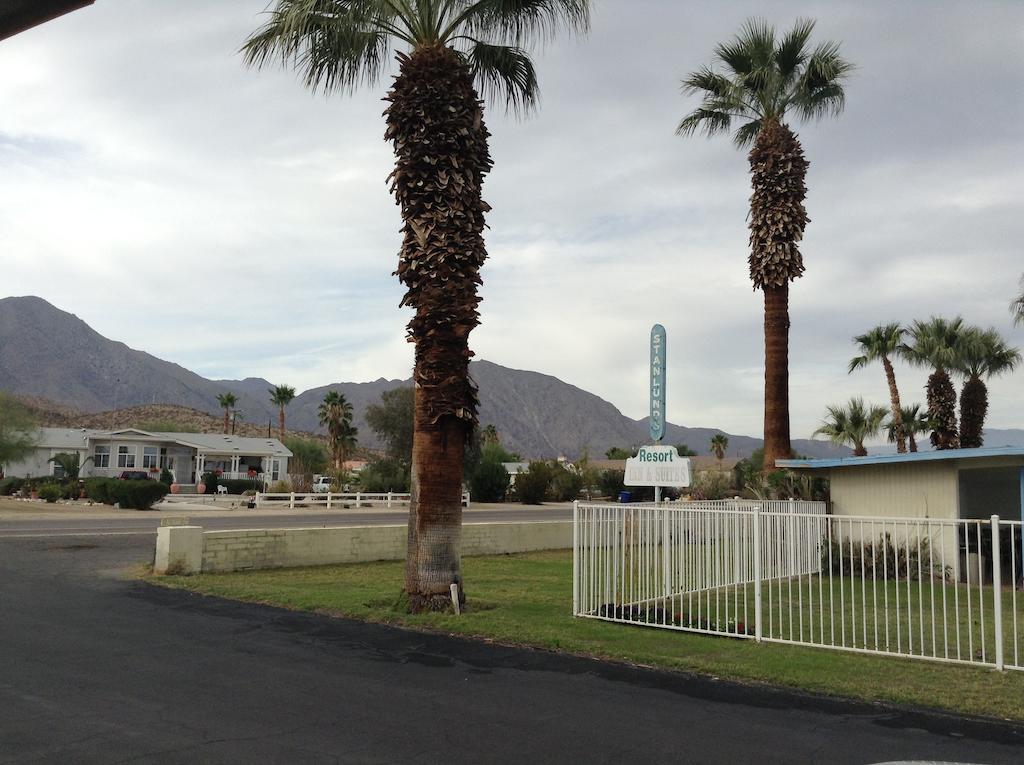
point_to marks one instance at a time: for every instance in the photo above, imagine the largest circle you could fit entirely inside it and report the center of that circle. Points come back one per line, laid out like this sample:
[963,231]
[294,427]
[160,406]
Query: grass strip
[526,599]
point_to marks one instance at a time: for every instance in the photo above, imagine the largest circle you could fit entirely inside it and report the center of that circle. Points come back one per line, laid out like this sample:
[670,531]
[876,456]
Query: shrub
[565,484]
[489,482]
[388,474]
[138,495]
[280,487]
[712,485]
[9,486]
[210,480]
[51,492]
[166,477]
[611,483]
[239,485]
[532,486]
[98,490]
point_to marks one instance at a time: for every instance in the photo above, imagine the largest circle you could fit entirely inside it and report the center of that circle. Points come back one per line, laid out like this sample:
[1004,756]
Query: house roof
[899,459]
[19,15]
[213,443]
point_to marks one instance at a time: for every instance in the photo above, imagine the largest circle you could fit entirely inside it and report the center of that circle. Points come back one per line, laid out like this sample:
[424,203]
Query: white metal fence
[332,500]
[915,587]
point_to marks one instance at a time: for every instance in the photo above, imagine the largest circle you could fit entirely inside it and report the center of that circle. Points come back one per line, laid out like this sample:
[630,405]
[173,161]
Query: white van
[321,484]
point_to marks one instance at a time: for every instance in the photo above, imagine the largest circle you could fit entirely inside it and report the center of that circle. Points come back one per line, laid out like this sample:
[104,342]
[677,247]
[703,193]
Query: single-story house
[107,453]
[953,484]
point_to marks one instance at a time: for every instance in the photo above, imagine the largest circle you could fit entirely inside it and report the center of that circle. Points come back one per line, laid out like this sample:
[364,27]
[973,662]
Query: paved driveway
[98,668]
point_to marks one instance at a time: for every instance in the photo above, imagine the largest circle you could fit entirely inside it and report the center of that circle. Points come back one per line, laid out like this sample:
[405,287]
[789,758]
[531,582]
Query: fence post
[997,593]
[757,573]
[575,557]
[328,499]
[291,501]
[359,498]
[389,500]
[666,569]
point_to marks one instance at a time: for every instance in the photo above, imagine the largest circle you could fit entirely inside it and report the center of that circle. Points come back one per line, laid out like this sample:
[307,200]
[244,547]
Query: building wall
[923,490]
[37,464]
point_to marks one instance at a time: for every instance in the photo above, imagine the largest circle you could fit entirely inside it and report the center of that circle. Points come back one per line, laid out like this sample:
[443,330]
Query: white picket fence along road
[332,500]
[913,587]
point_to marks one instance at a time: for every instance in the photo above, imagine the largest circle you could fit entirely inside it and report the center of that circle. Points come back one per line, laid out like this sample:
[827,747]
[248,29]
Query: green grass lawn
[526,599]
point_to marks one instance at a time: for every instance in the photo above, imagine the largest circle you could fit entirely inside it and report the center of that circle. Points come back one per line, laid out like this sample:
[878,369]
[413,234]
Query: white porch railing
[332,500]
[914,587]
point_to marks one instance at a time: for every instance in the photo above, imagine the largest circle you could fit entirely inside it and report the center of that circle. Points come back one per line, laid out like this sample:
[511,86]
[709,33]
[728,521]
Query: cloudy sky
[230,221]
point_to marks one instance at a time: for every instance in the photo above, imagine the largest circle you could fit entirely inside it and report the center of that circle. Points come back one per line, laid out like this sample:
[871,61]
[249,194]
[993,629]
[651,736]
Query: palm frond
[1017,306]
[708,121]
[517,23]
[504,71]
[746,134]
[791,52]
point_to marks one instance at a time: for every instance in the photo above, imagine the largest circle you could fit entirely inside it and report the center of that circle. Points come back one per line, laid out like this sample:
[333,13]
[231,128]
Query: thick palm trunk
[280,423]
[227,423]
[777,221]
[973,410]
[912,441]
[435,121]
[942,410]
[776,376]
[897,416]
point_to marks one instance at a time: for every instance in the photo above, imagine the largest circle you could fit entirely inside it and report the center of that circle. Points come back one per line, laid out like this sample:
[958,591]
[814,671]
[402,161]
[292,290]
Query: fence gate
[788,572]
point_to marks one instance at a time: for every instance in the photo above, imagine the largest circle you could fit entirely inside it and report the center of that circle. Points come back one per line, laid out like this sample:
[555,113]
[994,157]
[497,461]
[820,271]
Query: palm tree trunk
[973,409]
[280,422]
[942,409]
[897,415]
[435,121]
[913,442]
[226,421]
[776,376]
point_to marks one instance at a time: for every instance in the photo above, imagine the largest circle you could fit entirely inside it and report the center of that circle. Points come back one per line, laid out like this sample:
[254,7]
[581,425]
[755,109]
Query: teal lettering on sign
[657,382]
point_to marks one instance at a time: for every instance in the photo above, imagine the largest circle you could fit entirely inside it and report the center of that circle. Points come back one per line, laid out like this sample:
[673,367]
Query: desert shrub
[882,558]
[240,485]
[138,495]
[532,486]
[98,490]
[710,484]
[9,486]
[489,482]
[51,492]
[279,487]
[388,474]
[611,483]
[565,484]
[210,480]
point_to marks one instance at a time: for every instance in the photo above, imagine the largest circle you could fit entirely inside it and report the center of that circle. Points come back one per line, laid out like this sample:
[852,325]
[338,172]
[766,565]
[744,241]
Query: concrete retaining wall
[189,549]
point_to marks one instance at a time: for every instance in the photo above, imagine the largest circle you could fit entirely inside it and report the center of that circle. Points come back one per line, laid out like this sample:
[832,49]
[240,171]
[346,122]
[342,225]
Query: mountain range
[50,354]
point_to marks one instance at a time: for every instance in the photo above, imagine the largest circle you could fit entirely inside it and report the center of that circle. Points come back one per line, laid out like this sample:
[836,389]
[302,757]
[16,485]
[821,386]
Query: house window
[58,470]
[149,456]
[125,459]
[275,473]
[101,457]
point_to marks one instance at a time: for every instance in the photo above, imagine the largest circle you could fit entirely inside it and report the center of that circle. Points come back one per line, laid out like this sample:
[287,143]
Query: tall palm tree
[335,414]
[766,80]
[281,396]
[934,343]
[852,425]
[881,344]
[915,423]
[1017,306]
[981,354]
[227,402]
[435,122]
[719,445]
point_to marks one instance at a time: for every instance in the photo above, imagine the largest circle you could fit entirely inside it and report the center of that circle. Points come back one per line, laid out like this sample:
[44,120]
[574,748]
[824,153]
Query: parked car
[321,484]
[133,475]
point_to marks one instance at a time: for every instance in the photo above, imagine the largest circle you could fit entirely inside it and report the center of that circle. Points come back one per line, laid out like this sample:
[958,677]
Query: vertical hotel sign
[657,382]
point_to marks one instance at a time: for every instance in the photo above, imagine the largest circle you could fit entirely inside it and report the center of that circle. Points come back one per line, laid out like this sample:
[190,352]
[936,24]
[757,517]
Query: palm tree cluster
[947,347]
[335,414]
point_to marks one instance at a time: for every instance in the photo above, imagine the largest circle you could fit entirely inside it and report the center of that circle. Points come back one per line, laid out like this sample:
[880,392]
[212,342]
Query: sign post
[657,414]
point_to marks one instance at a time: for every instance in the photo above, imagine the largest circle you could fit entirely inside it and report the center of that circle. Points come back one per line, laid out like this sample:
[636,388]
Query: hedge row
[138,495]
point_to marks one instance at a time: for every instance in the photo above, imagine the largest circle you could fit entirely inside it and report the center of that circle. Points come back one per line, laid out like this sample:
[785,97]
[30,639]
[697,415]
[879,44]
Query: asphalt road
[146,523]
[99,668]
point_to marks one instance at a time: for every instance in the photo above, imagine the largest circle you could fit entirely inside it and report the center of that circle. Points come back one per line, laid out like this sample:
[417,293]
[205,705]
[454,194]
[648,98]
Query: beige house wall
[923,490]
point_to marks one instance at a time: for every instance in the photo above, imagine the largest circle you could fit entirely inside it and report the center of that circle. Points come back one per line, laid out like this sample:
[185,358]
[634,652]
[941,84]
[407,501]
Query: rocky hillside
[54,356]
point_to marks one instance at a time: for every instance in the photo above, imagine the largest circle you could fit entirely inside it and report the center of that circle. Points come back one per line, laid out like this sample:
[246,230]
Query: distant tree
[227,401]
[1017,306]
[309,455]
[532,485]
[686,451]
[719,445]
[391,419]
[490,435]
[281,396]
[881,344]
[386,474]
[335,414]
[981,354]
[935,343]
[618,453]
[18,431]
[764,81]
[489,481]
[852,425]
[915,423]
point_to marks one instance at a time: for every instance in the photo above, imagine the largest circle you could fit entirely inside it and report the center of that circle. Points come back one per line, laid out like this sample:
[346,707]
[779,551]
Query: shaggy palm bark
[973,410]
[435,121]
[777,222]
[897,416]
[227,423]
[280,423]
[942,410]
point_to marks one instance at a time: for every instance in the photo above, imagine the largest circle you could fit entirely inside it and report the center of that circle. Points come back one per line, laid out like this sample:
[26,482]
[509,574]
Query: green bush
[611,483]
[238,485]
[210,480]
[138,495]
[532,486]
[51,492]
[388,474]
[489,482]
[565,484]
[98,490]
[9,486]
[166,477]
